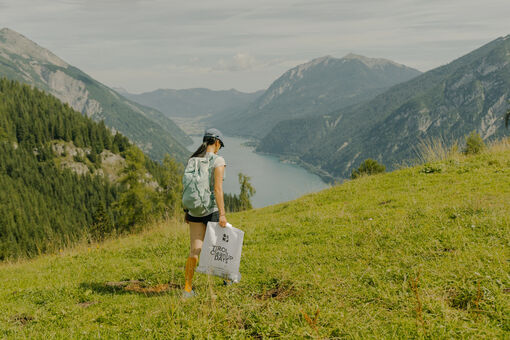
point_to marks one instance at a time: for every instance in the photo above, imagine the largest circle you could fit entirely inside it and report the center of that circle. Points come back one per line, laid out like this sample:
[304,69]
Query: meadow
[421,252]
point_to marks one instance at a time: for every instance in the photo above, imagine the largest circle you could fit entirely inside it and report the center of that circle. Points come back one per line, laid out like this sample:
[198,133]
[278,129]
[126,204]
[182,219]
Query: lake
[273,180]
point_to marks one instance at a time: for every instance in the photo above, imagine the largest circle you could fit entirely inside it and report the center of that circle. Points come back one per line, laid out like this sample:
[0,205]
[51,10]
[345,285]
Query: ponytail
[202,149]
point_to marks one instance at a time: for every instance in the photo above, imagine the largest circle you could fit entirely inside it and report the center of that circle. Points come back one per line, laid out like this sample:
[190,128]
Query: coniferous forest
[44,206]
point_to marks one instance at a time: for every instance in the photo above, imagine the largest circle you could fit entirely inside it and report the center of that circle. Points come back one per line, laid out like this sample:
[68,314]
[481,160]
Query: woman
[212,143]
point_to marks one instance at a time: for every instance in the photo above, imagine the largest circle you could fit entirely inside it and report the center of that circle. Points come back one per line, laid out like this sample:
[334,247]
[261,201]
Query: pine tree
[171,184]
[102,225]
[247,191]
[136,203]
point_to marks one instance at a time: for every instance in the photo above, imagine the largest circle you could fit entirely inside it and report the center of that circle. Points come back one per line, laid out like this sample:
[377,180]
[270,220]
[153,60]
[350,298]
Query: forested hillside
[45,205]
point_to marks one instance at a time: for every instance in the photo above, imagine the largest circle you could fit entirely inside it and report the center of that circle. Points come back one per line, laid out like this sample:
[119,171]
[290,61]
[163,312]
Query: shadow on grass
[130,287]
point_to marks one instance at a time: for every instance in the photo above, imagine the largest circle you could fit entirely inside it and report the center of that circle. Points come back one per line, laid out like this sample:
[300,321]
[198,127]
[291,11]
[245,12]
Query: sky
[143,45]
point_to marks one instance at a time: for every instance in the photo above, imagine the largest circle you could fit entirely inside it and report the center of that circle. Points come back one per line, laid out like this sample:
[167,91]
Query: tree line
[44,207]
[235,203]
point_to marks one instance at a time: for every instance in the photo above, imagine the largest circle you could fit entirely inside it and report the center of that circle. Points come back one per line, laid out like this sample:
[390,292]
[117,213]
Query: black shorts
[214,217]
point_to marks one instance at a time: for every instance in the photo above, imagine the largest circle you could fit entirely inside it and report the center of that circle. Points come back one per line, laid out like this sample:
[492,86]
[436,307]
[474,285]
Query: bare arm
[218,193]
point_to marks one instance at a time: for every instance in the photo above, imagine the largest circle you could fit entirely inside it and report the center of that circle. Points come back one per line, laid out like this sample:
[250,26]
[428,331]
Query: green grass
[422,252]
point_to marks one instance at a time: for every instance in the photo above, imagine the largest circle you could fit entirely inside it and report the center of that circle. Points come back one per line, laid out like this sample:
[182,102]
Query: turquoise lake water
[273,180]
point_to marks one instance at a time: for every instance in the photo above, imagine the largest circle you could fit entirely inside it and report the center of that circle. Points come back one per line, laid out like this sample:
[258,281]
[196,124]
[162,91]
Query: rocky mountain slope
[316,88]
[23,60]
[470,93]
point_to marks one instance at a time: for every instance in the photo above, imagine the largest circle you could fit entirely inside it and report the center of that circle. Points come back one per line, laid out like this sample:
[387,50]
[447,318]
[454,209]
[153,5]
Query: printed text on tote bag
[221,254]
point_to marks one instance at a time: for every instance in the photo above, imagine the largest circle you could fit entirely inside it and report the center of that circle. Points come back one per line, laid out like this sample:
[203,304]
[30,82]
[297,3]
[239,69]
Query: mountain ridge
[314,88]
[193,102]
[428,106]
[24,60]
[17,43]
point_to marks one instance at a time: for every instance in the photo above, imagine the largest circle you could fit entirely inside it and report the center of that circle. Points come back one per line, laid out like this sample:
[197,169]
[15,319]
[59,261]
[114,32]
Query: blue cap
[212,132]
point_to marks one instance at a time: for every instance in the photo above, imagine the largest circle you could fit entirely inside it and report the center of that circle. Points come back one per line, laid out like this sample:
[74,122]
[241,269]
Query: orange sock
[191,262]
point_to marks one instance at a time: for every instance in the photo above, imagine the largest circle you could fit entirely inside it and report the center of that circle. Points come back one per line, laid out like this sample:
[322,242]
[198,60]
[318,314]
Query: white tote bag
[221,251]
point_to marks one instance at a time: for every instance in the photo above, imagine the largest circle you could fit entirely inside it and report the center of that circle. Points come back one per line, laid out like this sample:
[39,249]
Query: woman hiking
[200,210]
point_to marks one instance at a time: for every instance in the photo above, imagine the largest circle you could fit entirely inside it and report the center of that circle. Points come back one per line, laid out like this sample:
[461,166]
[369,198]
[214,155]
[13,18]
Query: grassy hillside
[420,252]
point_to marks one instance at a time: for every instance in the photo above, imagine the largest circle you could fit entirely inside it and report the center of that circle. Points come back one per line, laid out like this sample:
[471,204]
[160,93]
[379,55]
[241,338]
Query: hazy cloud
[239,62]
[145,44]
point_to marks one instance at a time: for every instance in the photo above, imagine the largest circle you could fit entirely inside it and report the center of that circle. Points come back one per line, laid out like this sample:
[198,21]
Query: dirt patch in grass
[462,298]
[121,284]
[386,202]
[87,303]
[279,291]
[22,319]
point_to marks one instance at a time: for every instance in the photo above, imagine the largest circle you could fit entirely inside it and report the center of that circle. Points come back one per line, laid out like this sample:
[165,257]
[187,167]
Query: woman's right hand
[223,221]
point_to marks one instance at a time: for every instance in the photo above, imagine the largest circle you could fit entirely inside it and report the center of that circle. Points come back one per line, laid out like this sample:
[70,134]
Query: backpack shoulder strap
[212,158]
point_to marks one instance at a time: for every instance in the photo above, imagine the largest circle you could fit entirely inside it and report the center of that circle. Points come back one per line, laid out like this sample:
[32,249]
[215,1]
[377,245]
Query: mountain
[65,178]
[193,103]
[25,61]
[315,88]
[470,93]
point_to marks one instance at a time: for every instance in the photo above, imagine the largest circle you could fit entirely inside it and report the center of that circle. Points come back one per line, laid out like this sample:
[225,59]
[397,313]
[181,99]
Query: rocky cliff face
[23,60]
[32,63]
[72,91]
[470,93]
[317,88]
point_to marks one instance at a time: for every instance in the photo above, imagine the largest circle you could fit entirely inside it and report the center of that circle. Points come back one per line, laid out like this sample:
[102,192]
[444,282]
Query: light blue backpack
[198,186]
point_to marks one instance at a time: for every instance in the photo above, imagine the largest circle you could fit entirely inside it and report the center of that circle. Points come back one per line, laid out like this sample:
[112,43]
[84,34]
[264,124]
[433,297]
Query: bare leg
[196,235]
